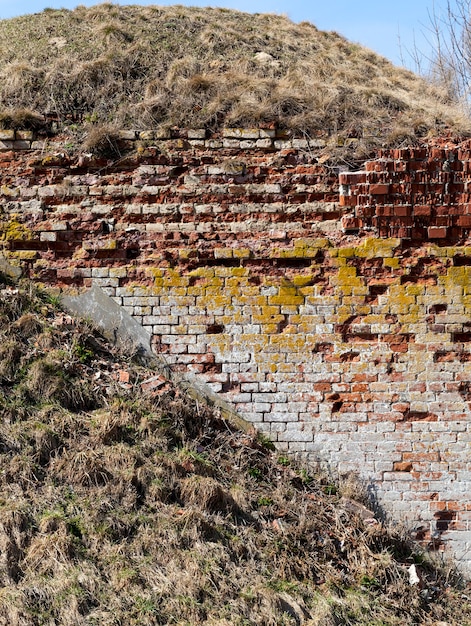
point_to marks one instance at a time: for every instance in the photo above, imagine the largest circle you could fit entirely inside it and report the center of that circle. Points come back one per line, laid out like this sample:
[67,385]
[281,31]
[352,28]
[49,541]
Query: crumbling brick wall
[417,194]
[340,325]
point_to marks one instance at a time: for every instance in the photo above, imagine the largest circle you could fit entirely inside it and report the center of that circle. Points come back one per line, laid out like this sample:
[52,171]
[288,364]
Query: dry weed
[21,118]
[189,67]
[102,141]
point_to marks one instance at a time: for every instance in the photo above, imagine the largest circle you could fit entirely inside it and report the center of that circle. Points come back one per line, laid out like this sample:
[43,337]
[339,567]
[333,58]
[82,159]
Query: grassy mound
[147,67]
[124,502]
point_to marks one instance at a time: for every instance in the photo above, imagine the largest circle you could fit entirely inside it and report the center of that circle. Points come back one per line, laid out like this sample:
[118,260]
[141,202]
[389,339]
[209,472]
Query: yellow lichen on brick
[373,318]
[174,280]
[187,253]
[303,248]
[249,290]
[136,289]
[220,344]
[203,272]
[216,281]
[284,253]
[451,251]
[315,244]
[118,272]
[269,329]
[343,313]
[24,255]
[286,298]
[338,261]
[288,342]
[13,230]
[414,290]
[456,276]
[154,272]
[251,342]
[290,309]
[362,309]
[10,192]
[239,271]
[303,253]
[217,301]
[268,315]
[212,291]
[250,300]
[181,293]
[309,248]
[231,292]
[308,292]
[223,253]
[79,254]
[399,295]
[346,253]
[223,272]
[372,248]
[303,281]
[241,253]
[347,277]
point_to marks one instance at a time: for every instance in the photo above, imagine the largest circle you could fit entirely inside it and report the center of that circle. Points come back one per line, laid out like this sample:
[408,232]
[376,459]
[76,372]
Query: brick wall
[417,194]
[344,337]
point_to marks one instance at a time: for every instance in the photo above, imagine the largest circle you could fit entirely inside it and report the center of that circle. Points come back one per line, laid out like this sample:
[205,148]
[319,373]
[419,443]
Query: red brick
[422,210]
[402,211]
[370,166]
[350,223]
[122,376]
[154,383]
[436,232]
[379,189]
[403,466]
[322,387]
[421,456]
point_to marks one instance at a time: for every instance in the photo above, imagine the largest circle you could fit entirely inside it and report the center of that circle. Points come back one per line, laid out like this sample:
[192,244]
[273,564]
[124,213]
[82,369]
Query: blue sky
[386,27]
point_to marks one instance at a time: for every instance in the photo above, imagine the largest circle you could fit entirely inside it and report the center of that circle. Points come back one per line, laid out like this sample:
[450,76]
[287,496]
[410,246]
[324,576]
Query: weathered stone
[241,133]
[197,133]
[48,236]
[129,135]
[26,135]
[21,145]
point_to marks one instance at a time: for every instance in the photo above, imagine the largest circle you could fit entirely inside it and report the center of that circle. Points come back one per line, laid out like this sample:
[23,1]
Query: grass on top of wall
[158,67]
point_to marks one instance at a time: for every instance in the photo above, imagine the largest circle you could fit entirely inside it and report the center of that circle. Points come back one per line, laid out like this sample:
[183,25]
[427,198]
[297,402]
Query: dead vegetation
[124,507]
[161,67]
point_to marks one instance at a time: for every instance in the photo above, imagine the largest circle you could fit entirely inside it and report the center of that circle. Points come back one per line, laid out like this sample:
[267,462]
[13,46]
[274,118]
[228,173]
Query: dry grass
[147,67]
[101,140]
[19,118]
[150,510]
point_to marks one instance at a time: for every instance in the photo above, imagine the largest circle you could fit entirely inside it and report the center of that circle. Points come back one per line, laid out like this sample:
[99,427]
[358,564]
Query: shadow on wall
[120,327]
